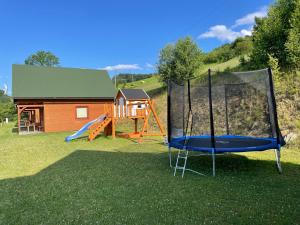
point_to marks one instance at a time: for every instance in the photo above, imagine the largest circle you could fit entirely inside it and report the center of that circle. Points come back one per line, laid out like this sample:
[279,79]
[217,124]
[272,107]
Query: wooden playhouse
[135,104]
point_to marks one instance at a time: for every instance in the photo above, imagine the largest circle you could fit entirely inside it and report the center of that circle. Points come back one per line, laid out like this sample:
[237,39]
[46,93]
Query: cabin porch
[30,119]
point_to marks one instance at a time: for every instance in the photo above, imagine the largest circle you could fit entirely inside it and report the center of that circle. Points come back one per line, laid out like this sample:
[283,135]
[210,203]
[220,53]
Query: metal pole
[277,156]
[170,157]
[274,105]
[169,120]
[212,129]
[226,111]
[169,111]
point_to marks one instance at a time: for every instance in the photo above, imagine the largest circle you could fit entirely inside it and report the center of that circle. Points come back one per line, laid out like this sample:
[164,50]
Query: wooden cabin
[51,99]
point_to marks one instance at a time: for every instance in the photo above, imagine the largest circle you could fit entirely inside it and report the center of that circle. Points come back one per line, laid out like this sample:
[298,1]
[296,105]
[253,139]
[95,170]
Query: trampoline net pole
[211,117]
[170,156]
[169,111]
[226,110]
[169,122]
[278,134]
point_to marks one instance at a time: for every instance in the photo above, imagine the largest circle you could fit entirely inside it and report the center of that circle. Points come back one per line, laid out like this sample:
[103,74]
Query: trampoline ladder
[182,155]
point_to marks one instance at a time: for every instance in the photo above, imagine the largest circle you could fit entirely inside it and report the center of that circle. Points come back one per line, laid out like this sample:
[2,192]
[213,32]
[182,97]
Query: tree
[220,54]
[293,42]
[242,46]
[180,61]
[42,58]
[273,63]
[271,34]
[7,110]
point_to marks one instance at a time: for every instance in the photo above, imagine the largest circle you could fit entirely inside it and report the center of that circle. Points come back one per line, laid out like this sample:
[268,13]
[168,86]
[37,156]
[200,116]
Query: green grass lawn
[44,180]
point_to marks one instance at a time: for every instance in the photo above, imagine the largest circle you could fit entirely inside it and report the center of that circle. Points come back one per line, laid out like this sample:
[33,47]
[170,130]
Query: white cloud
[223,33]
[149,65]
[245,32]
[122,67]
[249,19]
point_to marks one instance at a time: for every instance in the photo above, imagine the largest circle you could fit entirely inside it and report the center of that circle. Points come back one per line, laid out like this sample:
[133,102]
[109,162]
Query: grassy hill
[152,84]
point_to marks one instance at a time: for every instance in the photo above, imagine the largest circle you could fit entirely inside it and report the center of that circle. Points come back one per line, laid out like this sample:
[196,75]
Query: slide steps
[96,128]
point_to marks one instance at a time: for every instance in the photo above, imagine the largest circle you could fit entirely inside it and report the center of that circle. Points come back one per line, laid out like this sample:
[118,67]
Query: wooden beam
[31,106]
[162,129]
[153,134]
[145,124]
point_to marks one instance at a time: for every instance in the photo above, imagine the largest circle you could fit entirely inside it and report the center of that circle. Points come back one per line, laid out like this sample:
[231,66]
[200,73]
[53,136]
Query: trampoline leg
[170,157]
[278,163]
[213,163]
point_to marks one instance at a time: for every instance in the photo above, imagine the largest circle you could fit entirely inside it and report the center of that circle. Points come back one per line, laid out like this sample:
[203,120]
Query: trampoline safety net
[220,105]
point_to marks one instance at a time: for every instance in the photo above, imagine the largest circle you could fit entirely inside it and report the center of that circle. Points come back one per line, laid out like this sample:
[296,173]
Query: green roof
[34,82]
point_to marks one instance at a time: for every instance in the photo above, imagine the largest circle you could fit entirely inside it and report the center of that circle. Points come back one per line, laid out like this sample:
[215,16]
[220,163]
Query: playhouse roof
[134,94]
[34,82]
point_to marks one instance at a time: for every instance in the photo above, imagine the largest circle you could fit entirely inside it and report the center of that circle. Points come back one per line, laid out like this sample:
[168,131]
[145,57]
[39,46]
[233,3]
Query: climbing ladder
[181,156]
[96,128]
[181,162]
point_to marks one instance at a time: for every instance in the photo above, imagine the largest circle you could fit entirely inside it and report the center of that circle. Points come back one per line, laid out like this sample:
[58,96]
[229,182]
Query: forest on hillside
[124,78]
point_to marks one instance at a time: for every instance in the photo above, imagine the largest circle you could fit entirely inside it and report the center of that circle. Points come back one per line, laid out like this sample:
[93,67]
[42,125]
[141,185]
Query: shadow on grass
[97,187]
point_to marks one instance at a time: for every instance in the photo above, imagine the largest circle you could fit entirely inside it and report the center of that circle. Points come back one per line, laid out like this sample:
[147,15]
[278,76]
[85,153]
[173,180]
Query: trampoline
[226,143]
[223,113]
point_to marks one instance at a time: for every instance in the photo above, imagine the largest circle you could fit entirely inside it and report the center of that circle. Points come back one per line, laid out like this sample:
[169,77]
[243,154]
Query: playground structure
[131,104]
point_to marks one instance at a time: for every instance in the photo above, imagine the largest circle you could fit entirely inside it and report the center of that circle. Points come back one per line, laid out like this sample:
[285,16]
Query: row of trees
[124,78]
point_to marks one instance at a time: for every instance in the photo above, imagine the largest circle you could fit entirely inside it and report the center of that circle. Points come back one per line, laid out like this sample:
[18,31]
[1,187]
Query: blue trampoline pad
[225,143]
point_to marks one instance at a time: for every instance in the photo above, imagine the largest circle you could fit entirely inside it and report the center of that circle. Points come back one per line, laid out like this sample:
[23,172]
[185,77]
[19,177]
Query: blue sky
[121,36]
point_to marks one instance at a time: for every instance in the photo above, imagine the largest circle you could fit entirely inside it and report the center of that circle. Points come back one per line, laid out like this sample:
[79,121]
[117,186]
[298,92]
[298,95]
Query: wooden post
[146,127]
[113,128]
[19,119]
[135,125]
[145,124]
[113,120]
[108,129]
[162,129]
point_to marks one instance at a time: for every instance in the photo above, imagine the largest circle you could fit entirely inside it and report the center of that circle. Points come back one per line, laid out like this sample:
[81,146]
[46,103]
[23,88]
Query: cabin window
[141,106]
[81,112]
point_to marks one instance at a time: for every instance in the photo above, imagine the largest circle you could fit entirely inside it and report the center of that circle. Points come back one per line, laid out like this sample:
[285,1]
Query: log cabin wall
[61,115]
